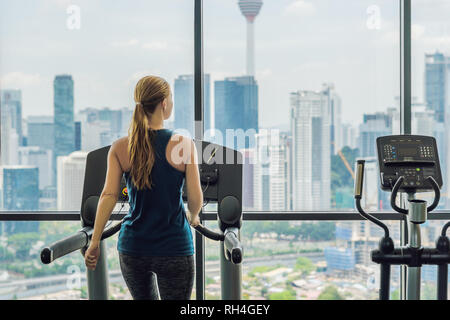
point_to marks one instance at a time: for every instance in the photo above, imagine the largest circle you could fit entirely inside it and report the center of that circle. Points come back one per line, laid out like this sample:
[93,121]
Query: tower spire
[250,9]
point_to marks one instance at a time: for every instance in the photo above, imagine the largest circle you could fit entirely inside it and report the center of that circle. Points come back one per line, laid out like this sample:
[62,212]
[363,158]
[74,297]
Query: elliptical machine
[409,164]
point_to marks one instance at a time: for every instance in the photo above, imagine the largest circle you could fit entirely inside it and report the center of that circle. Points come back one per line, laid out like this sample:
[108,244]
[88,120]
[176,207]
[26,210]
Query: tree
[330,293]
[304,265]
[288,294]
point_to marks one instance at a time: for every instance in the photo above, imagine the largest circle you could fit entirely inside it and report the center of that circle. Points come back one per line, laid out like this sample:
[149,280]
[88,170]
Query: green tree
[288,294]
[304,265]
[330,293]
[22,243]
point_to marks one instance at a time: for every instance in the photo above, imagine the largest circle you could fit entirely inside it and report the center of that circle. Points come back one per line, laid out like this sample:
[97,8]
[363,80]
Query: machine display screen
[407,152]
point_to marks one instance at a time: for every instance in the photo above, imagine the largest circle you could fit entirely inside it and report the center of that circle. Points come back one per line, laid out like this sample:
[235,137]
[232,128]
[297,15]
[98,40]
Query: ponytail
[149,92]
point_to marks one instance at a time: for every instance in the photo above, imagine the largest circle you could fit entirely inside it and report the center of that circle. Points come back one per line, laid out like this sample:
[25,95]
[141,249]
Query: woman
[155,235]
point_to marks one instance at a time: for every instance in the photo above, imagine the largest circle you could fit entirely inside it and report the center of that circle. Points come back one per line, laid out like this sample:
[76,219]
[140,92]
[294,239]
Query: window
[67,75]
[310,85]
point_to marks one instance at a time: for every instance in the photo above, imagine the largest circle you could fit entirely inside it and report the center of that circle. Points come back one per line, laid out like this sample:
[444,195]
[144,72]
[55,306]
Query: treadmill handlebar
[64,246]
[233,245]
[77,241]
[82,238]
[209,233]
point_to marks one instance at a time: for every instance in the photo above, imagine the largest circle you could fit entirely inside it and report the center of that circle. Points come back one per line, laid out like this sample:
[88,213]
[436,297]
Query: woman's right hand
[194,220]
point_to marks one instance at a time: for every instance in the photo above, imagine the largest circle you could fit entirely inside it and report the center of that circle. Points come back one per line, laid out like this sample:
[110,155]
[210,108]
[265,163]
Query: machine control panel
[413,157]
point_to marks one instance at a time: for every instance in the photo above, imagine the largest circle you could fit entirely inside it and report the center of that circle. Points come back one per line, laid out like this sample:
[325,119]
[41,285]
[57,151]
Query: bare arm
[193,186]
[109,195]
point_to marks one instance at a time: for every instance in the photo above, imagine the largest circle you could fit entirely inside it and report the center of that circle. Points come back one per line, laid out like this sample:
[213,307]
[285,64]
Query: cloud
[156,45]
[265,73]
[129,43]
[134,78]
[417,31]
[59,3]
[300,8]
[20,80]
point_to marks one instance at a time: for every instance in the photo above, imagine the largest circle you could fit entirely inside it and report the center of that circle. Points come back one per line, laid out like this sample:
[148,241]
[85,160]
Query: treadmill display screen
[407,152]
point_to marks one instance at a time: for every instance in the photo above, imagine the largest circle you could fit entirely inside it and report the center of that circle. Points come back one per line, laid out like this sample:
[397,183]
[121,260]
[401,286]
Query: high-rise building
[64,128]
[349,135]
[41,132]
[11,104]
[184,104]
[373,126]
[9,142]
[42,159]
[248,156]
[310,128]
[20,192]
[96,128]
[236,110]
[334,106]
[77,135]
[271,171]
[436,73]
[250,9]
[70,180]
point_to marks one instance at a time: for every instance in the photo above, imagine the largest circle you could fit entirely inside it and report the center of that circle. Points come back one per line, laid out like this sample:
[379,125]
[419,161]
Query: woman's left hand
[91,255]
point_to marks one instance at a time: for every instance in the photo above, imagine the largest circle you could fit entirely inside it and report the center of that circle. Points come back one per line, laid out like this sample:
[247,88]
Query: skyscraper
[436,84]
[250,9]
[77,135]
[334,106]
[9,142]
[373,126]
[271,171]
[42,159]
[184,103]
[63,116]
[236,108]
[70,180]
[310,127]
[11,104]
[20,186]
[41,132]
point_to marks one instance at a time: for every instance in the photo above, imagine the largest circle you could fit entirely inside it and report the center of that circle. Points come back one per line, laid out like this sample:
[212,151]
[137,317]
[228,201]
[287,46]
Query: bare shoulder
[120,143]
[120,149]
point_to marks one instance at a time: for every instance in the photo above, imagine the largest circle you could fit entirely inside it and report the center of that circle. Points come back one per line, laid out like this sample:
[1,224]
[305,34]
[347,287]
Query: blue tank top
[156,224]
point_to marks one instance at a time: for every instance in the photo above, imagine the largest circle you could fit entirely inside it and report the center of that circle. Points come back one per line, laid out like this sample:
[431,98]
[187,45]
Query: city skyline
[311,67]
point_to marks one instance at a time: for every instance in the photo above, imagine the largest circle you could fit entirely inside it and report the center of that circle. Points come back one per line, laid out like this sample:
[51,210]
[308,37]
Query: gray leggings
[175,276]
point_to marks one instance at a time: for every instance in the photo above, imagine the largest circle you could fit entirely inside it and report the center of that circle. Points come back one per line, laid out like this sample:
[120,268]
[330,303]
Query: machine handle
[358,195]
[65,246]
[209,233]
[395,189]
[359,178]
[437,194]
[233,245]
[74,242]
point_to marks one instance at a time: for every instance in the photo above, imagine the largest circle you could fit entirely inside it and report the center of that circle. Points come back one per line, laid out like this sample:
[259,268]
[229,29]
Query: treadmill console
[413,157]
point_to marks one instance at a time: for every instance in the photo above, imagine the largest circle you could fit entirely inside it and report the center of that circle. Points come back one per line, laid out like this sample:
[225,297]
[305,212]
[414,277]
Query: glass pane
[430,33]
[73,91]
[302,88]
[430,58]
[293,260]
[24,276]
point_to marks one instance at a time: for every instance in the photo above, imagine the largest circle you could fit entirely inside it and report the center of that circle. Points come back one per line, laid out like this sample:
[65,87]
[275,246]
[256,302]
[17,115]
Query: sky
[299,45]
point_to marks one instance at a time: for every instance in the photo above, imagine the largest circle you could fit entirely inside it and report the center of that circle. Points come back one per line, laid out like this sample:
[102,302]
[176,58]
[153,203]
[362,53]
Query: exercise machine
[221,179]
[408,164]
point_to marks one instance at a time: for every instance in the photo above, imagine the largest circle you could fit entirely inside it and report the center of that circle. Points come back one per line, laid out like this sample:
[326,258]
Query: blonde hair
[150,91]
